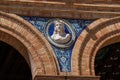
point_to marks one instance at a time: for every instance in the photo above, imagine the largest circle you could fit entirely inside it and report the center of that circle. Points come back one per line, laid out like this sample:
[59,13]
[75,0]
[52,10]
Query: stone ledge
[67,78]
[60,9]
[77,1]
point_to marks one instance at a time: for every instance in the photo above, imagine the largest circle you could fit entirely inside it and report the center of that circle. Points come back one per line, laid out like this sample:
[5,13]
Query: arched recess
[100,33]
[30,43]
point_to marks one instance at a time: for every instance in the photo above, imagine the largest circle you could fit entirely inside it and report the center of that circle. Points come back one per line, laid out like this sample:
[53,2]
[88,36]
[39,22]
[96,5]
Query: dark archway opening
[107,62]
[12,65]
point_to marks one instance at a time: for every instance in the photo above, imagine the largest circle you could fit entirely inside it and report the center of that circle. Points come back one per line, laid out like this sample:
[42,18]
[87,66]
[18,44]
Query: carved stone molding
[66,9]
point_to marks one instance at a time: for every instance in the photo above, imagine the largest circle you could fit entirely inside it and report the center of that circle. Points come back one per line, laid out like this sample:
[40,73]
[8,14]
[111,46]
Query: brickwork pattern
[37,51]
[33,46]
[30,43]
[39,55]
[100,33]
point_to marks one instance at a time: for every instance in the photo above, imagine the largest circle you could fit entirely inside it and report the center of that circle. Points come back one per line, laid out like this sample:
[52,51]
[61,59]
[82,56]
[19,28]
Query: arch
[12,65]
[107,62]
[100,33]
[30,43]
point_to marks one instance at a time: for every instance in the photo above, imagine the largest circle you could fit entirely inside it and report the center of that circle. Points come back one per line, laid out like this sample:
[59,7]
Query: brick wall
[37,51]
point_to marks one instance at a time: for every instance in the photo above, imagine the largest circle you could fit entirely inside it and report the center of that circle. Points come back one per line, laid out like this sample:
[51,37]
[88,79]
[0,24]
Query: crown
[58,22]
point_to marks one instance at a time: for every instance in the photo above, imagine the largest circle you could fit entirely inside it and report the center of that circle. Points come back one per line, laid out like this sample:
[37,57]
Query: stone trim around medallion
[59,37]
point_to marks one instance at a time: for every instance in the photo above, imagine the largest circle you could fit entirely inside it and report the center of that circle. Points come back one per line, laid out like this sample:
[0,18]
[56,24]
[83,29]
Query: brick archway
[100,33]
[30,43]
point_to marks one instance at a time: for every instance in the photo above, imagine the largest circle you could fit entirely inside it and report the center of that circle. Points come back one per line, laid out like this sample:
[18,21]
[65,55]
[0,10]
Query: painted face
[59,26]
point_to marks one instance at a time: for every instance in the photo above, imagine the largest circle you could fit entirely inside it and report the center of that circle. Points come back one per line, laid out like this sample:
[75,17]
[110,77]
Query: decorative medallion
[63,55]
[59,33]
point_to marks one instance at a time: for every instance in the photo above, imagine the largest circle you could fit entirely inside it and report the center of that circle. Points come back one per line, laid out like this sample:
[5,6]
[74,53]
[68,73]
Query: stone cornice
[64,9]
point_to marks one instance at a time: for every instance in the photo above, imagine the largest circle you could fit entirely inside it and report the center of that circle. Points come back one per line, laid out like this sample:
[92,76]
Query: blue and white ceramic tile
[63,55]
